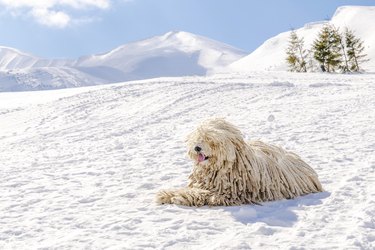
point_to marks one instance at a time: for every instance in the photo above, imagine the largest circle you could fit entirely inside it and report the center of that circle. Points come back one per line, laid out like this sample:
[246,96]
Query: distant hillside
[271,54]
[11,58]
[172,54]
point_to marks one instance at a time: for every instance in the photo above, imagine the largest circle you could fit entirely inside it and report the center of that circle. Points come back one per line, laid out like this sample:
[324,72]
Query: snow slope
[172,54]
[80,167]
[271,54]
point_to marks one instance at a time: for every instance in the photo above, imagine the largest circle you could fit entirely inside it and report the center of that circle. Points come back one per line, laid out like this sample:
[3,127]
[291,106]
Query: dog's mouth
[202,157]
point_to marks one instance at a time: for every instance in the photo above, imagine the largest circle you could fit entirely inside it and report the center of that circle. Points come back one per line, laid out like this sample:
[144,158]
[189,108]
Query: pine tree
[355,49]
[326,48]
[296,54]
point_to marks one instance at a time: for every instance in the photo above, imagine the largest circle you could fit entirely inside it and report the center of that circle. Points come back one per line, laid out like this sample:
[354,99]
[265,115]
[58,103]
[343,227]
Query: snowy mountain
[80,167]
[172,54]
[271,54]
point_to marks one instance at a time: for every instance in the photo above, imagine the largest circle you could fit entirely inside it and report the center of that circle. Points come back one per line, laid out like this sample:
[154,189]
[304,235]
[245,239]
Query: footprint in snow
[271,118]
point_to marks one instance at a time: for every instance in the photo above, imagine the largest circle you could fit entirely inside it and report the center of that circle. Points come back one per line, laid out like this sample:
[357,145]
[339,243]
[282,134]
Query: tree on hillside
[296,54]
[327,50]
[355,49]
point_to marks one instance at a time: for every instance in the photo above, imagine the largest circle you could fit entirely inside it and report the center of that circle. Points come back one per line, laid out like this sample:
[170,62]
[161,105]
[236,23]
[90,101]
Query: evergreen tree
[296,54]
[327,50]
[355,49]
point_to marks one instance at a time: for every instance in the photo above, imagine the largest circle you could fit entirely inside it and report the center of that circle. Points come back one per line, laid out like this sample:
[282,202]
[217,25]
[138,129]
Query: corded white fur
[239,173]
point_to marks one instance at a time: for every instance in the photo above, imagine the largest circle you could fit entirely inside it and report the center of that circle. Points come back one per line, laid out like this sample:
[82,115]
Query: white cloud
[51,18]
[53,13]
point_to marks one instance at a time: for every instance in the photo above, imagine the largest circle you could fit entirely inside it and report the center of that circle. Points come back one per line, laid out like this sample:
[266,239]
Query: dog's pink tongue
[201,157]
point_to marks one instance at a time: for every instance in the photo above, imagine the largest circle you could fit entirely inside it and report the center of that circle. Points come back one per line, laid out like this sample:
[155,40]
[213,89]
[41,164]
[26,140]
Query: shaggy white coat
[228,171]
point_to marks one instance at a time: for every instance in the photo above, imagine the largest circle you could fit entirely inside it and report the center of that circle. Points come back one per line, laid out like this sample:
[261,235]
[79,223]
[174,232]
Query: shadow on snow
[276,213]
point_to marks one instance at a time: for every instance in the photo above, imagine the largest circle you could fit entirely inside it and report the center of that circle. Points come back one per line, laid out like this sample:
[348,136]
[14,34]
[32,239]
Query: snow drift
[271,54]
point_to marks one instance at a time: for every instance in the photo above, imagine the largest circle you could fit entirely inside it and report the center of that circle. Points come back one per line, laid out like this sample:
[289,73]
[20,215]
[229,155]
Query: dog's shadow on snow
[277,213]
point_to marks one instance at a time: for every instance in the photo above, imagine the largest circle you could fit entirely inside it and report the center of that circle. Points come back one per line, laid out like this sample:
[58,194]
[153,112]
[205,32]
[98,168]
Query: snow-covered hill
[21,72]
[172,54]
[14,59]
[80,167]
[271,54]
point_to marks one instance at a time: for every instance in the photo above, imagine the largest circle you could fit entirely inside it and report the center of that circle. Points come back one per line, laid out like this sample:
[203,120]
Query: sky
[74,28]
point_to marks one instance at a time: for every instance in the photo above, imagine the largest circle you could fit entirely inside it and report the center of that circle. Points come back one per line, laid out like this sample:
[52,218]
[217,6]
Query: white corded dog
[228,171]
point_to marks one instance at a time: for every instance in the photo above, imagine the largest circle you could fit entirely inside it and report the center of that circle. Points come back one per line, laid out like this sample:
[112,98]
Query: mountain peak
[178,46]
[175,33]
[178,37]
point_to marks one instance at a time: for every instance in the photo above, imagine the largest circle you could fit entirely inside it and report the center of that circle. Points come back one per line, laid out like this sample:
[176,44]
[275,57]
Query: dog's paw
[193,199]
[179,200]
[164,197]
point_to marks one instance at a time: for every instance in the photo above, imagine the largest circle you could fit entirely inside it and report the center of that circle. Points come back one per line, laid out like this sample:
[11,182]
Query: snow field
[81,170]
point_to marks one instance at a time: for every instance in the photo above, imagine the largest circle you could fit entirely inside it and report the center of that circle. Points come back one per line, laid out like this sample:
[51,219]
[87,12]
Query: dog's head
[214,141]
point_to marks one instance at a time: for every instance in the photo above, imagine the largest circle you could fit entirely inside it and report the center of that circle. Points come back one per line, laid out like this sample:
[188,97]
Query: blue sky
[72,28]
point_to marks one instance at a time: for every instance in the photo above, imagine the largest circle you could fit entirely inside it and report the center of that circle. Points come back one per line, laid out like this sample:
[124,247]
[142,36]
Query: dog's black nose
[197,148]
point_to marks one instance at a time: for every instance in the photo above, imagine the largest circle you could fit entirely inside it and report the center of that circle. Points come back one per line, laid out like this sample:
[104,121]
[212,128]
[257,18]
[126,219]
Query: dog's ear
[226,150]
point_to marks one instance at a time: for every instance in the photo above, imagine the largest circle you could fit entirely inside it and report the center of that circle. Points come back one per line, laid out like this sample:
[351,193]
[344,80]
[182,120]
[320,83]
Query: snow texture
[80,167]
[271,54]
